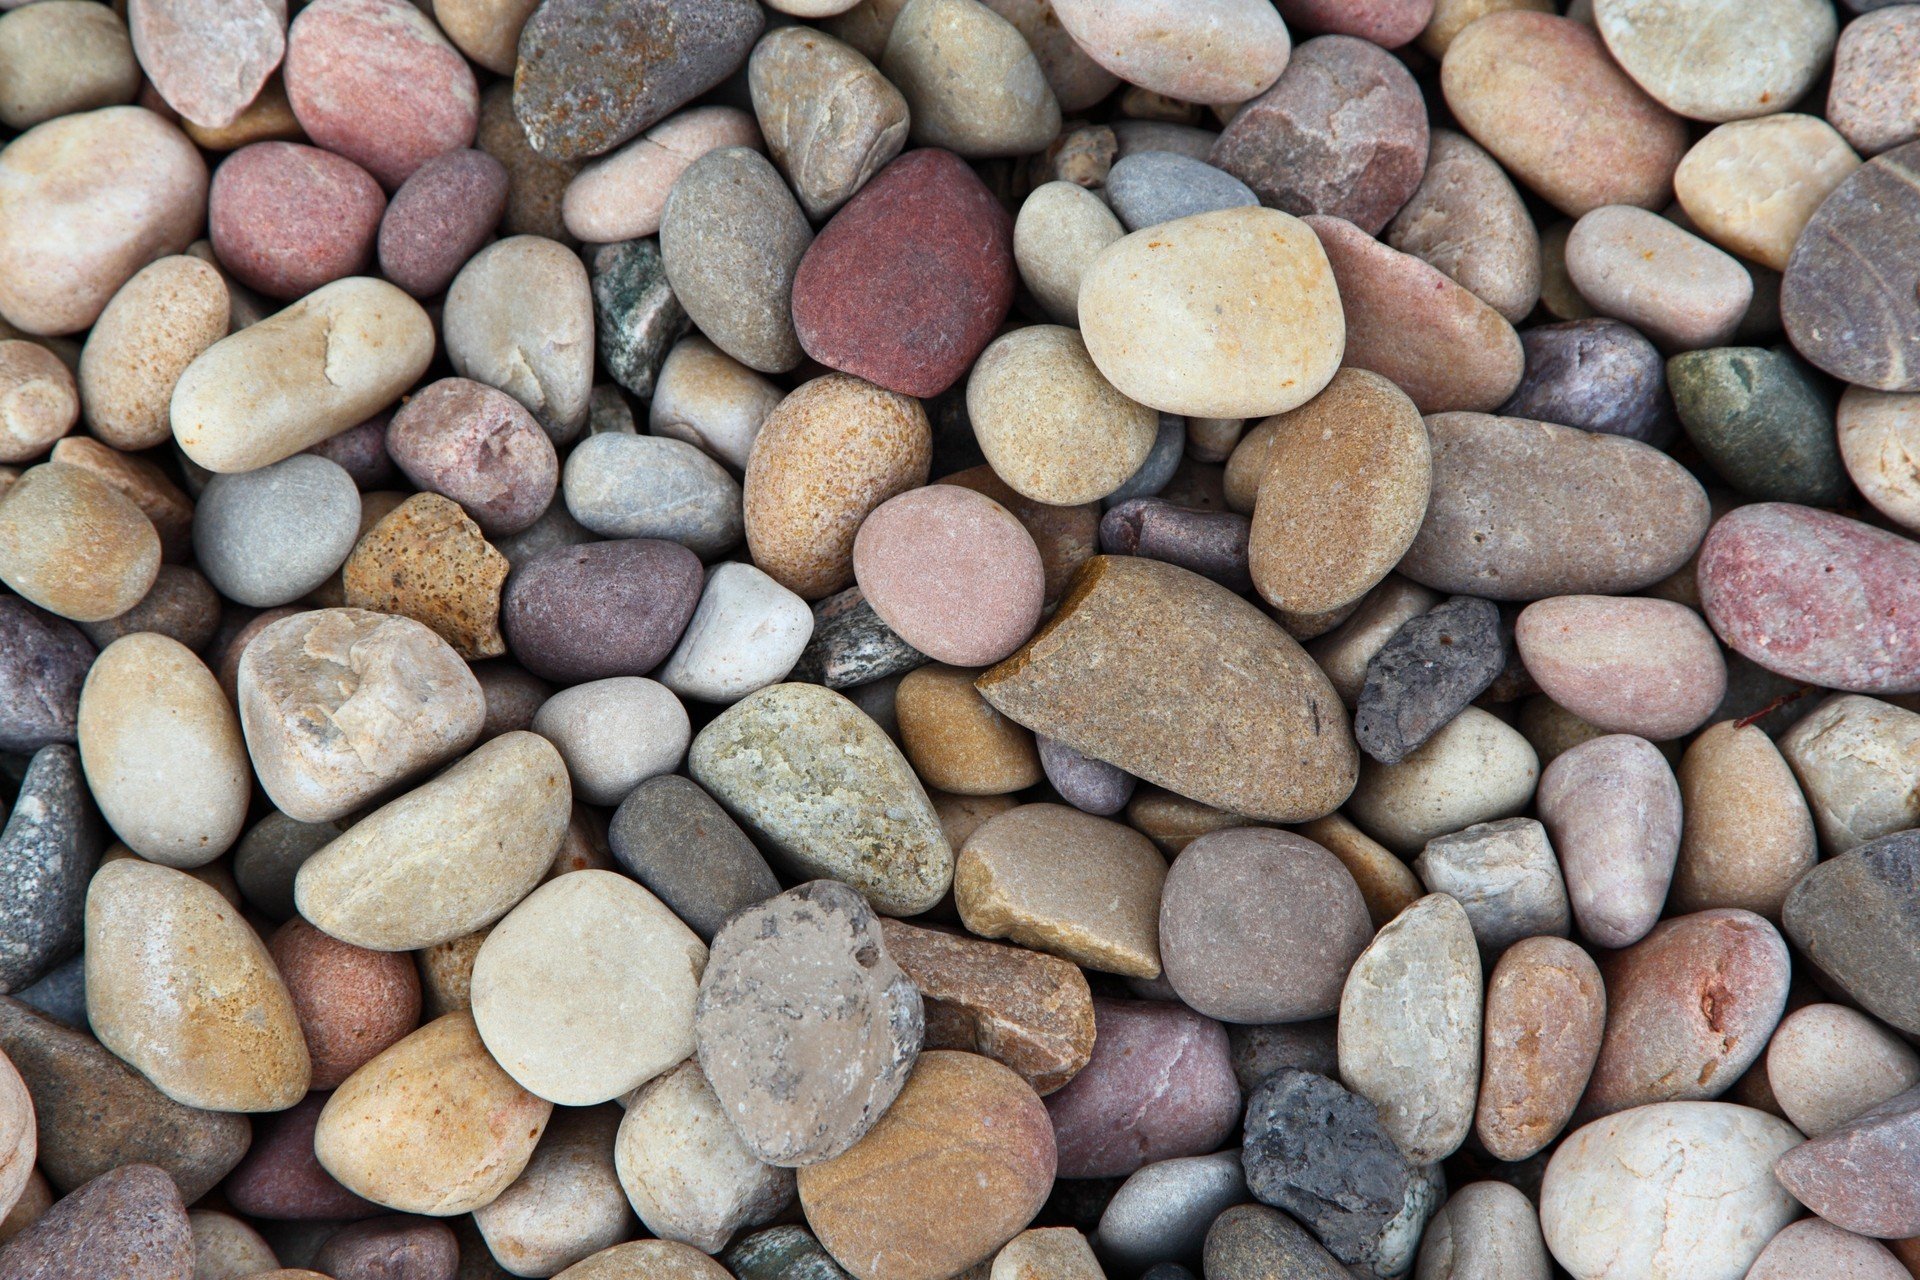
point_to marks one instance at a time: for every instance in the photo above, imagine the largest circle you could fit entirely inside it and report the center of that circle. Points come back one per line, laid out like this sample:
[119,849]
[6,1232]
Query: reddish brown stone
[351,1002]
[910,280]
[286,219]
[439,218]
[282,1178]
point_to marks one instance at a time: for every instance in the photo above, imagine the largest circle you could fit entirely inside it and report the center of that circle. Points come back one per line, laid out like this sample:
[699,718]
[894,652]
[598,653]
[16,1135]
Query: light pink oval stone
[621,196]
[1628,664]
[208,58]
[1636,266]
[1612,808]
[1811,1249]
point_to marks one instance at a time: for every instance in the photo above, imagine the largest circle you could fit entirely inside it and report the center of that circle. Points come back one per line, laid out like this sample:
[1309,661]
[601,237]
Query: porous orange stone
[427,560]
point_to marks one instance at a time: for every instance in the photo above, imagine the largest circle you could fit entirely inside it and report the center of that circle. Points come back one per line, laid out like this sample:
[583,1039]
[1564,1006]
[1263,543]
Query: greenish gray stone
[781,1253]
[635,313]
[1759,418]
[851,646]
[827,791]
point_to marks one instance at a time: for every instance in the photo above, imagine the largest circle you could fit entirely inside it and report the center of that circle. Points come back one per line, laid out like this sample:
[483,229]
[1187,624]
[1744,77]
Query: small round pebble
[38,400]
[601,609]
[268,537]
[1827,1063]
[615,734]
[633,486]
[1867,101]
[1673,286]
[1061,229]
[478,446]
[352,1003]
[1151,187]
[971,81]
[621,195]
[1210,51]
[1624,664]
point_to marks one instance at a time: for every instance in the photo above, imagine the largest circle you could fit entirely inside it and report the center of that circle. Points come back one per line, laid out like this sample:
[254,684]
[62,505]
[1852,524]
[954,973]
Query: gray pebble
[1089,785]
[1156,473]
[268,857]
[1150,187]
[48,851]
[43,663]
[1598,375]
[61,994]
[556,527]
[1432,668]
[268,537]
[634,486]
[781,1253]
[675,839]
[1131,137]
[1253,1242]
[1506,876]
[1212,544]
[1161,1213]
[1259,1051]
[851,646]
[637,318]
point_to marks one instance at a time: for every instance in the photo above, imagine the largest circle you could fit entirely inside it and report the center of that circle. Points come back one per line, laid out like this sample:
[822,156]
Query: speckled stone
[1612,808]
[1467,220]
[388,1246]
[781,1253]
[439,218]
[48,849]
[428,561]
[1853,916]
[478,446]
[352,1003]
[1758,418]
[43,663]
[1597,374]
[1866,101]
[74,545]
[851,646]
[637,316]
[128,1222]
[536,183]
[1215,51]
[1545,1011]
[286,218]
[603,609]
[1254,1241]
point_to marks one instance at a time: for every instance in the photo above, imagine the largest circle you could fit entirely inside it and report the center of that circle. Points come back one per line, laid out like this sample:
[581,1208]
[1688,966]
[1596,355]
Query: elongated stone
[851,646]
[1431,668]
[637,317]
[48,850]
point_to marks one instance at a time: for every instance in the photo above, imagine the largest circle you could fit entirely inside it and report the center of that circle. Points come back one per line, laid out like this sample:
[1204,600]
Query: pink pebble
[286,218]
[440,217]
[1628,664]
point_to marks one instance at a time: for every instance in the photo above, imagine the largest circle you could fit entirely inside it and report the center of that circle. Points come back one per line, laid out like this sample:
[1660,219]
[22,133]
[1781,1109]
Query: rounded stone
[1485,1231]
[1877,431]
[376,82]
[1236,944]
[1636,266]
[1851,917]
[1545,1012]
[207,61]
[1866,101]
[1752,185]
[181,988]
[1812,1247]
[1543,95]
[615,734]
[1170,314]
[679,843]
[1596,374]
[1250,1241]
[1216,51]
[432,1126]
[286,219]
[1624,664]
[602,609]
[283,1180]
[971,81]
[1061,229]
[1855,759]
[1612,807]
[1719,61]
[479,447]
[226,1248]
[1475,769]
[75,546]
[647,1260]
[708,399]
[38,400]
[911,279]
[579,1043]
[1706,1210]
[1163,1210]
[129,1221]
[686,1170]
[43,666]
[64,59]
[955,741]
[270,536]
[519,317]
[382,1247]
[621,195]
[1748,836]
[1151,187]
[1827,1064]
[1467,221]
[147,335]
[957,1167]
[634,486]
[86,200]
[1387,23]
[747,632]
[567,1204]
[441,215]
[352,1003]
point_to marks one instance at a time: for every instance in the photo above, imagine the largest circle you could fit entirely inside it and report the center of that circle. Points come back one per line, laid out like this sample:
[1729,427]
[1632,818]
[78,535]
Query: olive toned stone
[780,761]
[226,1248]
[74,545]
[1757,416]
[1545,1012]
[1142,621]
[128,1222]
[427,560]
[1252,1241]
[672,835]
[1854,916]
[1748,835]
[352,1003]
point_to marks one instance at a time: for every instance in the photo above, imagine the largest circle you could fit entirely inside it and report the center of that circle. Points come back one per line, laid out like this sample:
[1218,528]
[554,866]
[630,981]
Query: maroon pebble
[362,452]
[1815,597]
[439,218]
[400,1247]
[282,1178]
[1388,23]
[910,280]
[128,1222]
[376,82]
[600,609]
[466,441]
[1160,1084]
[287,218]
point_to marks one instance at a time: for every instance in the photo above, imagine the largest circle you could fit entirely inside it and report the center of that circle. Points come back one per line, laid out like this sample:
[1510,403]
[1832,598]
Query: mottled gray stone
[61,994]
[1857,918]
[1153,475]
[1151,187]
[633,486]
[851,646]
[268,537]
[1089,785]
[1506,876]
[1598,375]
[675,839]
[1253,1242]
[636,317]
[1432,668]
[1212,544]
[781,1253]
[43,663]
[48,850]
[1161,1213]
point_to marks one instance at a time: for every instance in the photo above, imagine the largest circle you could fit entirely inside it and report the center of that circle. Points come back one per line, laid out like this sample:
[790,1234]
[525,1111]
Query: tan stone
[1750,186]
[1173,822]
[1047,1253]
[831,119]
[1546,1011]
[446,973]
[19,1139]
[268,118]
[427,560]
[1827,1063]
[1475,769]
[1061,229]
[647,1260]
[226,1248]
[566,1204]
[1451,17]
[38,401]
[1748,836]
[1387,885]
[961,816]
[73,545]
[152,329]
[141,482]
[956,741]
[1344,652]
[488,31]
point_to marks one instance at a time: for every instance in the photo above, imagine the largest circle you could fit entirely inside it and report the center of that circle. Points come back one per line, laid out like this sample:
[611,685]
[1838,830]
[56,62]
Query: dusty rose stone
[1872,101]
[376,82]
[351,1002]
[466,441]
[286,219]
[1865,1175]
[1670,284]
[1624,664]
[909,281]
[282,1178]
[621,196]
[362,453]
[1546,1008]
[127,1223]
[1408,322]
[1388,23]
[1827,1063]
[208,58]
[602,609]
[439,218]
[1343,133]
[1612,808]
[1811,1247]
[390,1248]
[1160,1084]
[1194,50]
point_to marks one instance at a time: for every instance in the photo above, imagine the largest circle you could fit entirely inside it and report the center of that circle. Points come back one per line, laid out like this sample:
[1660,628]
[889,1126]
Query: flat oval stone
[181,988]
[910,280]
[1752,185]
[1748,835]
[500,814]
[1624,664]
[1543,95]
[41,400]
[1235,944]
[634,486]
[1410,1020]
[433,1125]
[1170,313]
[352,1003]
[74,545]
[1827,1063]
[1215,51]
[286,219]
[519,317]
[1613,809]
[1160,1084]
[1151,187]
[779,760]
[149,332]
[1689,1008]
[162,750]
[43,664]
[1163,1210]
[1522,510]
[1545,1011]
[1466,220]
[1426,674]
[1760,590]
[376,82]
[260,395]
[135,478]
[86,200]
[676,840]
[440,216]
[1706,1211]
[1089,785]
[1342,133]
[955,1168]
[1475,768]
[1812,1247]
[208,61]
[268,537]
[567,1204]
[589,77]
[1596,374]
[1060,230]
[1670,284]
[601,609]
[579,1043]
[970,79]
[732,237]
[1253,1240]
[1853,916]
[1129,617]
[1720,61]
[620,195]
[126,1222]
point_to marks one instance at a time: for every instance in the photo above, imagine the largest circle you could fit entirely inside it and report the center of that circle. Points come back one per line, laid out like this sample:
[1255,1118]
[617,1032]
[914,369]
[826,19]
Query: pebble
[1167,312]
[833,451]
[747,632]
[1342,134]
[207,61]
[226,1248]
[519,317]
[1865,102]
[1596,374]
[376,82]
[1214,51]
[1543,95]
[615,734]
[1049,1253]
[1612,808]
[677,841]
[970,79]
[957,1167]
[1827,1063]
[732,236]
[468,442]
[1689,1008]
[909,281]
[1466,220]
[1851,916]
[257,397]
[1426,674]
[1163,1210]
[1051,426]
[182,606]
[43,664]
[686,1170]
[821,783]
[1151,187]
[282,1179]
[487,31]
[1089,785]
[73,545]
[536,183]
[621,195]
[1213,544]
[1523,510]
[86,201]
[433,1125]
[1504,874]
[851,647]
[1853,757]
[588,79]
[1234,943]
[653,1259]
[1546,1008]
[440,216]
[636,312]
[707,398]
[567,1204]
[781,1253]
[149,332]
[499,813]
[427,561]
[128,1222]
[268,537]
[1387,23]
[1344,652]
[955,741]
[1668,283]
[579,1043]
[1873,429]
[602,609]
[1748,835]
[162,751]
[1410,1022]
[339,705]
[143,483]
[352,1003]
[1813,1247]
[1624,664]
[1752,185]
[633,486]
[38,400]
[286,219]
[1474,769]
[1858,1176]
[1250,1241]
[386,1246]
[1719,63]
[1060,230]
[1485,1229]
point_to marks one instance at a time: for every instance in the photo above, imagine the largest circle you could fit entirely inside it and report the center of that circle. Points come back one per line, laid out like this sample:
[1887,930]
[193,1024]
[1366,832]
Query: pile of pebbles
[1009,639]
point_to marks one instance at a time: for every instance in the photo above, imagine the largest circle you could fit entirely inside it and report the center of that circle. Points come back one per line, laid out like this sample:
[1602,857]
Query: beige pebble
[1467,221]
[38,400]
[620,196]
[1670,284]
[1747,836]
[1061,229]
[226,1248]
[971,81]
[1750,186]
[1344,652]
[73,545]
[59,57]
[956,741]
[156,324]
[710,400]
[1046,1253]
[647,1260]
[488,31]
[19,1145]
[1879,434]
[1827,1063]
[1204,51]
[832,120]
[519,317]
[1720,59]
[567,1204]
[1476,769]
[1858,762]
[142,482]
[1387,884]
[1451,17]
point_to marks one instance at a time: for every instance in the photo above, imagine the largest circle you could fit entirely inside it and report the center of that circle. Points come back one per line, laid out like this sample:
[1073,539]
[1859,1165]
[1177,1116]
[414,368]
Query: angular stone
[1506,877]
[1430,669]
[48,850]
[1856,761]
[1857,918]
[427,560]
[208,61]
[1546,1007]
[851,646]
[637,317]
[127,1223]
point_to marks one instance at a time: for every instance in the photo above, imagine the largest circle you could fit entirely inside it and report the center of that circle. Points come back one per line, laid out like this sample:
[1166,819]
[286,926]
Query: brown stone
[956,741]
[1173,822]
[1546,1008]
[1747,836]
[1865,1175]
[73,545]
[352,1002]
[141,482]
[429,561]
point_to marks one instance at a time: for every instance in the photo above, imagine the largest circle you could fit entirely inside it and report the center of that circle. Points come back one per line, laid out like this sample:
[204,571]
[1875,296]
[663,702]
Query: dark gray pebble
[1428,672]
[1259,1051]
[1598,375]
[43,663]
[51,844]
[62,994]
[851,646]
[270,855]
[1253,1242]
[636,315]
[676,839]
[1153,475]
